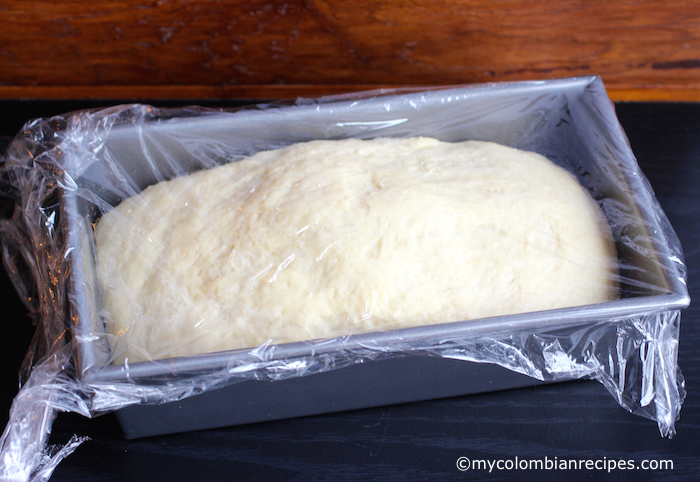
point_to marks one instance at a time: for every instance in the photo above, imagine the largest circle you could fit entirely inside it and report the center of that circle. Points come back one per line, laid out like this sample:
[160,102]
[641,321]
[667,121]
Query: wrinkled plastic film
[66,172]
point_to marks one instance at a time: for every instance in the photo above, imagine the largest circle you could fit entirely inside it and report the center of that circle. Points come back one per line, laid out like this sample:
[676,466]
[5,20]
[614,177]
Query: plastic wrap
[66,172]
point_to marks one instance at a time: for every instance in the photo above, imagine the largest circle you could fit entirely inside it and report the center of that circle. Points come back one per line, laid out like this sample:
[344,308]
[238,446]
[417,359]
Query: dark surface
[419,441]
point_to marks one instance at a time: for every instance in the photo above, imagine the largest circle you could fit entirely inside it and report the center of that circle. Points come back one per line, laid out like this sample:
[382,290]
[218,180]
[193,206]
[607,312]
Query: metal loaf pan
[571,121]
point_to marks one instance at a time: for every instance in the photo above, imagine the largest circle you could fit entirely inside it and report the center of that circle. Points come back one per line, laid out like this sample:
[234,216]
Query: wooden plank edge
[179,92]
[287,91]
[666,94]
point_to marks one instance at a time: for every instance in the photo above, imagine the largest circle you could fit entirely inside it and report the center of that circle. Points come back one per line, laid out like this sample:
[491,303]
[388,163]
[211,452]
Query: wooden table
[194,49]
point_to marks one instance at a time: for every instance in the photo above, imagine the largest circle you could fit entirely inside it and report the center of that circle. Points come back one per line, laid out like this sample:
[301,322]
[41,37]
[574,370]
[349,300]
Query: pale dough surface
[329,238]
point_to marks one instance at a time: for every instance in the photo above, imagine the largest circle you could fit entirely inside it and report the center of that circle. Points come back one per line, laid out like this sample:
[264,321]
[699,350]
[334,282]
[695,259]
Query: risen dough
[327,238]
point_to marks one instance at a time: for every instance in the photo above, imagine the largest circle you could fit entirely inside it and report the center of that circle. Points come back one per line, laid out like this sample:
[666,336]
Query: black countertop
[418,441]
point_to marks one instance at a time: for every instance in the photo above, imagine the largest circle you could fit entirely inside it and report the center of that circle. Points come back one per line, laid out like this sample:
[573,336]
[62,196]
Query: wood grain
[645,49]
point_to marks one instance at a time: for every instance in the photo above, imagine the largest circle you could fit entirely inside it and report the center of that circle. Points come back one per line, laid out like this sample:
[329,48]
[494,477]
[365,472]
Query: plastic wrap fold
[64,173]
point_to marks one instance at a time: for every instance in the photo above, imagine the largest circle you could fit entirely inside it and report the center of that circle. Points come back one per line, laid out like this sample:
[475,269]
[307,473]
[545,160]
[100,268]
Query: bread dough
[329,238]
